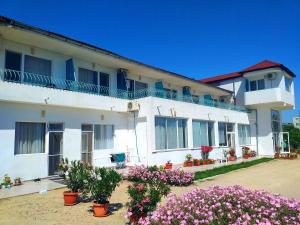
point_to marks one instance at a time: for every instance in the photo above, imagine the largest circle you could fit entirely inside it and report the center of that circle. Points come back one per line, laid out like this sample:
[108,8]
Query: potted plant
[196,162]
[168,165]
[7,181]
[144,198]
[232,155]
[101,185]
[17,181]
[188,160]
[76,177]
[205,150]
[246,152]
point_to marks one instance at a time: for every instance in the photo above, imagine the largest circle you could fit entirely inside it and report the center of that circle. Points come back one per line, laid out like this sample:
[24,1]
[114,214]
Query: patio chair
[119,159]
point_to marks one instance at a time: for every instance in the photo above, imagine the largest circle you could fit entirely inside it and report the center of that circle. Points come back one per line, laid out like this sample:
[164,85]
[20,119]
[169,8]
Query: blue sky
[197,38]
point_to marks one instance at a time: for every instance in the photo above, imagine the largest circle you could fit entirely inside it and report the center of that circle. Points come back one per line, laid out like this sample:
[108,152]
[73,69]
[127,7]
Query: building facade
[60,97]
[296,122]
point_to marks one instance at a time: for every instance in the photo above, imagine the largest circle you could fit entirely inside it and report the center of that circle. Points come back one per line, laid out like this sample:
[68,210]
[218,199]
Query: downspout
[136,139]
[256,126]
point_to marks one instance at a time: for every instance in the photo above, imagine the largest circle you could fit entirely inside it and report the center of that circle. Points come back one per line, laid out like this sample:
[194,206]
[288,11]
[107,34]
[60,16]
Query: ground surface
[277,176]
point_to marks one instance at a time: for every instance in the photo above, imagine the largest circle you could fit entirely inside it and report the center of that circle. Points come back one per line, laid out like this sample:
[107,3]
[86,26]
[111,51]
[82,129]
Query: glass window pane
[55,127]
[222,134]
[160,133]
[37,66]
[261,84]
[204,137]
[29,138]
[196,134]
[171,133]
[103,137]
[182,133]
[87,127]
[13,60]
[253,85]
[211,134]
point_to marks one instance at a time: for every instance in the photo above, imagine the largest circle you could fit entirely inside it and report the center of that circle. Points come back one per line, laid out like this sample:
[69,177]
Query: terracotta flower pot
[197,163]
[70,198]
[135,218]
[168,166]
[231,158]
[188,163]
[100,210]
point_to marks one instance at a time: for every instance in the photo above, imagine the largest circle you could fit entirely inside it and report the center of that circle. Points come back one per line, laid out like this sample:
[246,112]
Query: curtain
[103,137]
[204,137]
[211,133]
[244,134]
[196,133]
[222,134]
[160,133]
[37,66]
[171,134]
[29,138]
[182,133]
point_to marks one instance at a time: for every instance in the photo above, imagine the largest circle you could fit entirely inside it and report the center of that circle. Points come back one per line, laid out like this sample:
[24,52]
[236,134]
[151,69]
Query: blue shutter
[159,85]
[95,78]
[186,91]
[247,85]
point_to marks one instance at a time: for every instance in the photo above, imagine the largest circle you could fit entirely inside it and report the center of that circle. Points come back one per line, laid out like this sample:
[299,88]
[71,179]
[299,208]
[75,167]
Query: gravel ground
[277,176]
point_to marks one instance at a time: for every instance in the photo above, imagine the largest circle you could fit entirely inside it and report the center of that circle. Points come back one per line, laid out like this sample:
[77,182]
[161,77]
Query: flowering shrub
[102,183]
[144,197]
[175,177]
[76,174]
[232,152]
[228,205]
[205,150]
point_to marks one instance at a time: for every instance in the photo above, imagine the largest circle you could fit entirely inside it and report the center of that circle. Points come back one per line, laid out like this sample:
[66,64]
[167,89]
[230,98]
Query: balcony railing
[68,85]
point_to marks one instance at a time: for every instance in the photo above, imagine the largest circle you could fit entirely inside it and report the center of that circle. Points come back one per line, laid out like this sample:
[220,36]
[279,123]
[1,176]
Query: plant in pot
[17,181]
[188,160]
[101,185]
[196,162]
[246,152]
[7,181]
[168,165]
[76,176]
[277,151]
[144,197]
[205,150]
[232,156]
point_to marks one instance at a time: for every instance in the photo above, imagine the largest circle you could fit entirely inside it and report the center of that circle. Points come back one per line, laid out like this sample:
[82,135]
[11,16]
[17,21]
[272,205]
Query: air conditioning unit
[133,106]
[271,76]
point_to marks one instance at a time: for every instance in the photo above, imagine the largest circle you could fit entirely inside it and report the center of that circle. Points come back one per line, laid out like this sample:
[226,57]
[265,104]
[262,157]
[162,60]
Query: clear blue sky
[197,38]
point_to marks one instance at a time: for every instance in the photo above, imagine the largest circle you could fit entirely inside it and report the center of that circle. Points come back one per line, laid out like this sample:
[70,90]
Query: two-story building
[60,97]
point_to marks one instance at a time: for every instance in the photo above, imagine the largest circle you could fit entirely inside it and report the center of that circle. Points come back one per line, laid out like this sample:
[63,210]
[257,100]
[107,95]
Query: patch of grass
[226,169]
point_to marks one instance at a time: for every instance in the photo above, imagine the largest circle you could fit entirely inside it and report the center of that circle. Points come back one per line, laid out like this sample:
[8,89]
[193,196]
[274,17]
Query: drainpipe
[256,126]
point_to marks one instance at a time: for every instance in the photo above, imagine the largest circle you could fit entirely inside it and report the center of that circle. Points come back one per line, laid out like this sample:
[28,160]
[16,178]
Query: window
[29,138]
[255,85]
[12,66]
[37,66]
[203,133]
[223,129]
[244,134]
[275,121]
[103,137]
[89,78]
[170,133]
[288,83]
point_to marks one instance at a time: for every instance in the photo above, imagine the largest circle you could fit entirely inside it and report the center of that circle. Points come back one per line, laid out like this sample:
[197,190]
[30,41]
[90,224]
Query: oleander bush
[175,177]
[225,205]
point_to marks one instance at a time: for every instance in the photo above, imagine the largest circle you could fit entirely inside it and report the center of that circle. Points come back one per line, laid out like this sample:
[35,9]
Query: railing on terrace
[50,82]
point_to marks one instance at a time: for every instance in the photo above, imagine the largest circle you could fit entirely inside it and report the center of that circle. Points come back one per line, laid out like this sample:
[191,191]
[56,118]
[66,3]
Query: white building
[296,121]
[60,97]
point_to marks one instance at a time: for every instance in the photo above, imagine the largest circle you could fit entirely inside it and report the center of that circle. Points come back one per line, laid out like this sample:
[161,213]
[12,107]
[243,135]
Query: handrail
[76,86]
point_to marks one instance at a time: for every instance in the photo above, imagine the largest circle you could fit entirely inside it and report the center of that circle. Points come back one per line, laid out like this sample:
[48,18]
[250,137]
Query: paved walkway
[277,176]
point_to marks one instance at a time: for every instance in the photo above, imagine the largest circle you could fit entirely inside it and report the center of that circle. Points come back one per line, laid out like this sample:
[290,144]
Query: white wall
[36,165]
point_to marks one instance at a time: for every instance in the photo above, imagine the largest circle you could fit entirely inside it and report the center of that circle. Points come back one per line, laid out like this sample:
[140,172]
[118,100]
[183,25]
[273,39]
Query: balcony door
[55,147]
[86,143]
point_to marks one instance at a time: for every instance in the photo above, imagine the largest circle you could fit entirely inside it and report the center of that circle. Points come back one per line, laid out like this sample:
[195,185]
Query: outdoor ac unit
[133,106]
[271,76]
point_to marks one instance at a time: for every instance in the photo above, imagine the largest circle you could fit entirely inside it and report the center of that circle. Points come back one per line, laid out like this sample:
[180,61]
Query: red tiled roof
[259,66]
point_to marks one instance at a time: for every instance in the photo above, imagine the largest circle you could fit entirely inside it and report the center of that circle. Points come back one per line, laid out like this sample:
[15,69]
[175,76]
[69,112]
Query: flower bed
[229,205]
[175,177]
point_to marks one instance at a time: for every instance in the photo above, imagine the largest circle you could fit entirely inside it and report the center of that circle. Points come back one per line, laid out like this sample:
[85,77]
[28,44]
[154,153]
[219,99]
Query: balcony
[30,79]
[274,97]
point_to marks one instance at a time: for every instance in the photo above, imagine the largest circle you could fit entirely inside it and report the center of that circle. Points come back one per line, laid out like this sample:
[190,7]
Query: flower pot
[188,163]
[70,198]
[135,218]
[197,163]
[168,166]
[231,158]
[100,210]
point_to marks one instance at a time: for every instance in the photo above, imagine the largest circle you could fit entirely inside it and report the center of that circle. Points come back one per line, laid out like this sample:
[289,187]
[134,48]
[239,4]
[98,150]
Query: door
[55,147]
[231,139]
[276,142]
[285,142]
[86,143]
